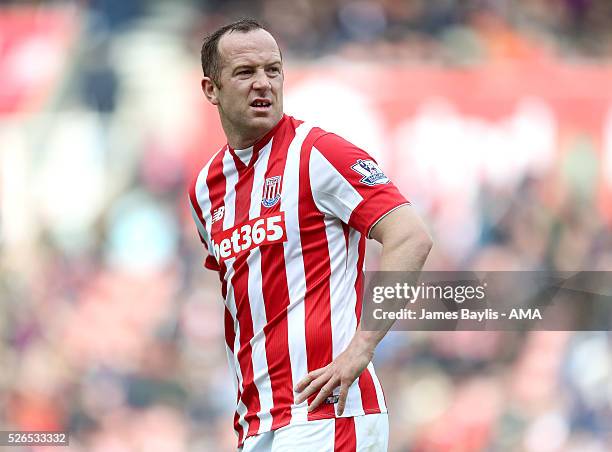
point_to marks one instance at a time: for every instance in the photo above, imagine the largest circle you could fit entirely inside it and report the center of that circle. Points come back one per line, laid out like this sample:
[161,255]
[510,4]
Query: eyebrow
[251,66]
[243,66]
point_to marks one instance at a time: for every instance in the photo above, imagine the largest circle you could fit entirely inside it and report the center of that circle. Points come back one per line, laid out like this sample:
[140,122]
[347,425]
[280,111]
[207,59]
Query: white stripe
[342,302]
[354,400]
[231,179]
[244,154]
[332,193]
[231,306]
[378,387]
[199,225]
[240,408]
[203,199]
[352,267]
[229,201]
[341,318]
[261,376]
[372,432]
[230,360]
[258,310]
[296,279]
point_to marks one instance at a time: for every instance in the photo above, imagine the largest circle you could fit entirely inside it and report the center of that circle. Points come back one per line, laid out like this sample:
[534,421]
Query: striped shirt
[285,223]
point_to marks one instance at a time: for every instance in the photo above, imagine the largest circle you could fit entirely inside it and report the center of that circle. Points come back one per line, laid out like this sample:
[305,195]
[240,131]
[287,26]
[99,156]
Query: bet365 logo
[244,237]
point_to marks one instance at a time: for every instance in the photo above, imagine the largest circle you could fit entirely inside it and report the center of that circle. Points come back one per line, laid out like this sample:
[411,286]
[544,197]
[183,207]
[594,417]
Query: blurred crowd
[436,31]
[111,328]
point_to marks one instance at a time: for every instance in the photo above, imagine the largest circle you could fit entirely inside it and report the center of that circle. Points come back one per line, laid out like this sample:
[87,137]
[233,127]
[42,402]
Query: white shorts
[347,434]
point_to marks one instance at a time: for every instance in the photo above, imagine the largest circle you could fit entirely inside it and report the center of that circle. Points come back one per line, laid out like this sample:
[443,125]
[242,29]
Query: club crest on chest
[271,191]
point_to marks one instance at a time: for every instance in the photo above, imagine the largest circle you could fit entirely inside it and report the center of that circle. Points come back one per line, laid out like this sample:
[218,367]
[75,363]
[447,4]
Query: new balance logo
[218,214]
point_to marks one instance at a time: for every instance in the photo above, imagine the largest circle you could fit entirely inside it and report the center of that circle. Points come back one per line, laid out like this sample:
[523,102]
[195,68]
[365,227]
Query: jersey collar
[258,146]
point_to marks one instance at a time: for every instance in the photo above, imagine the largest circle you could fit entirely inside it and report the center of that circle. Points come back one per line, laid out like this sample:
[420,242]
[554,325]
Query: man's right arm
[406,245]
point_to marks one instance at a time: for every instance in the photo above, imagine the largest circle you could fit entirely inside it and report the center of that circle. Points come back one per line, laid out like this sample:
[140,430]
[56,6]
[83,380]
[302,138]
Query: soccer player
[284,210]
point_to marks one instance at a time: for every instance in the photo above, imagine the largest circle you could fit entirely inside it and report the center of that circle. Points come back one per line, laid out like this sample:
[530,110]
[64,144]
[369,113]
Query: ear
[210,90]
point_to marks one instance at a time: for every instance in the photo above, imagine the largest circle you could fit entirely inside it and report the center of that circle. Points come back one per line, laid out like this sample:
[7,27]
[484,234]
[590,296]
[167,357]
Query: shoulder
[329,142]
[325,142]
[336,150]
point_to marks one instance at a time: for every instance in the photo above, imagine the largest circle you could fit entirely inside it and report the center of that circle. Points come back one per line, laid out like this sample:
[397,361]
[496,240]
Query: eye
[244,72]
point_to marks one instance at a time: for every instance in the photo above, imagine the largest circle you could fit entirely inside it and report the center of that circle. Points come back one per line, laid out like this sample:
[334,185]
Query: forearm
[406,245]
[409,257]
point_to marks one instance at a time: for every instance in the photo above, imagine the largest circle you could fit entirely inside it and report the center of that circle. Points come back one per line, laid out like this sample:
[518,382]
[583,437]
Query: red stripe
[346,231]
[368,393]
[240,281]
[345,439]
[317,272]
[230,336]
[276,295]
[217,186]
[369,400]
[359,279]
[215,181]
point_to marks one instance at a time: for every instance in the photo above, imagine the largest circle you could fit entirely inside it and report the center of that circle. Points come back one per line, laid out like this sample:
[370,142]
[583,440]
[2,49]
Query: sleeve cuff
[372,210]
[211,264]
[383,216]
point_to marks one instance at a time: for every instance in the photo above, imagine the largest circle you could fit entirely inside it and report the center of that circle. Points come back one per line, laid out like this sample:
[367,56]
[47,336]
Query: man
[283,210]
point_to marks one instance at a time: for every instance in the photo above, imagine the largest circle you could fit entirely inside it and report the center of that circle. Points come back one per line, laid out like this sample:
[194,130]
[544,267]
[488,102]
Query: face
[250,91]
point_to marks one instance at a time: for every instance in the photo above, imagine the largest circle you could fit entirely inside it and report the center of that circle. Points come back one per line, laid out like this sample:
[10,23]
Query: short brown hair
[211,64]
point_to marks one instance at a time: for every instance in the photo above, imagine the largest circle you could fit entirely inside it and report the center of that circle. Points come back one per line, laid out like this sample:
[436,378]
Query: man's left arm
[406,245]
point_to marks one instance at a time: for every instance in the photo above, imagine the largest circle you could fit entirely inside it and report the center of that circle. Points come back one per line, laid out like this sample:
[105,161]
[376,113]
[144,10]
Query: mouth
[261,104]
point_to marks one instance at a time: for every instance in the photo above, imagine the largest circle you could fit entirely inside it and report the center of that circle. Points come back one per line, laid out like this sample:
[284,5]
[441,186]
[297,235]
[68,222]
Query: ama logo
[271,191]
[372,174]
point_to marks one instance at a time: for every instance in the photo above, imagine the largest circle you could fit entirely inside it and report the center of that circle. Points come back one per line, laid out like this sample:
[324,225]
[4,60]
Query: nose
[261,81]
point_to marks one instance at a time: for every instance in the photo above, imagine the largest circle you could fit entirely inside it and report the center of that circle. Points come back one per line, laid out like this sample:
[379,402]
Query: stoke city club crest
[271,191]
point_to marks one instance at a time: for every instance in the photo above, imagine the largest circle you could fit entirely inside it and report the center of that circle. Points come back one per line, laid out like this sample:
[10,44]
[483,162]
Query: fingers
[313,387]
[323,393]
[323,381]
[344,388]
[308,378]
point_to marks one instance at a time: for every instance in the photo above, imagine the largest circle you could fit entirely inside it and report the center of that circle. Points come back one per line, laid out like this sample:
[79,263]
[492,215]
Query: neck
[241,139]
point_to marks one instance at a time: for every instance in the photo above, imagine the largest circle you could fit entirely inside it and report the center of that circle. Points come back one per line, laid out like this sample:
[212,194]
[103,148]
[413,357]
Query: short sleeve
[210,262]
[347,183]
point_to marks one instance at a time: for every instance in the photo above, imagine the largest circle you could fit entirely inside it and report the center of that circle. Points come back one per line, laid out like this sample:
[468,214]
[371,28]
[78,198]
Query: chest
[257,211]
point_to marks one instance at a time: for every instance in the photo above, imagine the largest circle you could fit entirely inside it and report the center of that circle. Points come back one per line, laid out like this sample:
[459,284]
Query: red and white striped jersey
[285,223]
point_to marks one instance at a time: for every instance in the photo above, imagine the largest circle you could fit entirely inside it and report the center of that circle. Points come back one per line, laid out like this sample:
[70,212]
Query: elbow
[417,241]
[421,244]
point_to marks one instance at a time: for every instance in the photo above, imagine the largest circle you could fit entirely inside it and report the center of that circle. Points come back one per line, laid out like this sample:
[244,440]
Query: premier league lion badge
[271,191]
[372,174]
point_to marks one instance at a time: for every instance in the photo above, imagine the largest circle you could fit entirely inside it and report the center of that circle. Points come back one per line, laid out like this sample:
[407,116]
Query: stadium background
[494,117]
